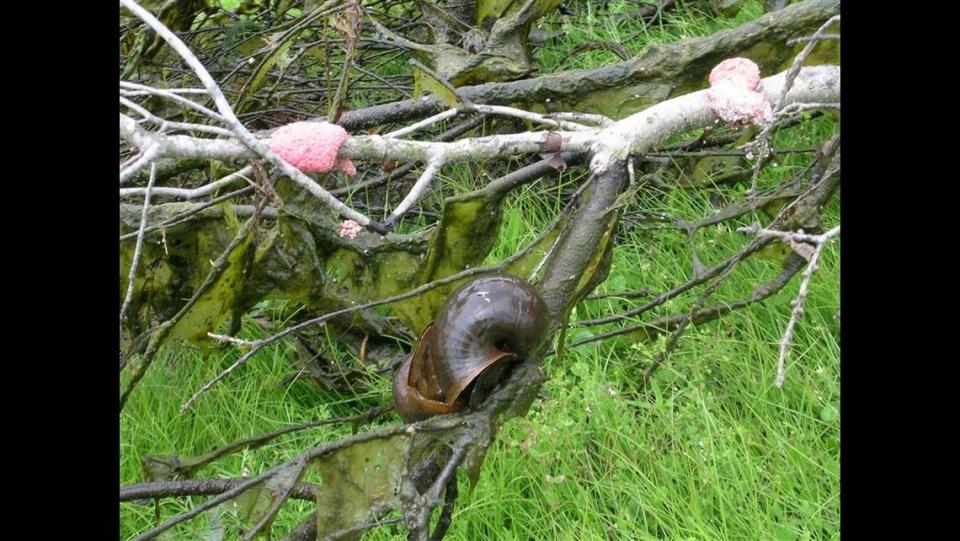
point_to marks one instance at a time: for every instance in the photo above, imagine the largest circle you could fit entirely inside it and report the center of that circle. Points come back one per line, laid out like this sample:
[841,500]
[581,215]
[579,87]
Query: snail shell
[483,328]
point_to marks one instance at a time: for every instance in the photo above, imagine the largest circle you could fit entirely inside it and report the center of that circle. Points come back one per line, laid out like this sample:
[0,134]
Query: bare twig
[582,118]
[693,282]
[797,64]
[139,247]
[187,467]
[232,340]
[170,90]
[645,292]
[819,241]
[785,235]
[417,517]
[799,107]
[433,166]
[148,155]
[446,514]
[671,322]
[822,37]
[447,135]
[695,153]
[136,89]
[823,183]
[306,531]
[194,193]
[632,135]
[167,126]
[402,91]
[688,318]
[554,121]
[429,121]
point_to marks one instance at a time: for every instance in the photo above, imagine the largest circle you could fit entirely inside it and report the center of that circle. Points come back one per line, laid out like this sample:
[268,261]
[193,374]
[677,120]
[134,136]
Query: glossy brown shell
[417,395]
[483,327]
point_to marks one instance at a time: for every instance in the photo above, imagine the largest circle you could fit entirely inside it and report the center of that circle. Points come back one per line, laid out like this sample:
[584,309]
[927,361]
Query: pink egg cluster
[733,93]
[349,228]
[311,147]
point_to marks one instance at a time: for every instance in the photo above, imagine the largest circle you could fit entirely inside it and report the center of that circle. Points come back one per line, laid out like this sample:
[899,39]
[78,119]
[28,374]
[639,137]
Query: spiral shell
[482,329]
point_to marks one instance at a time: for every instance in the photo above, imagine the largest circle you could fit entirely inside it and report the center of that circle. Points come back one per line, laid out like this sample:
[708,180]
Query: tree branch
[136,252]
[200,487]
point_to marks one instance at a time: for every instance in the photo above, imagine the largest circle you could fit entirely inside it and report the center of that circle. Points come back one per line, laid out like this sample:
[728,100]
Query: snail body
[482,329]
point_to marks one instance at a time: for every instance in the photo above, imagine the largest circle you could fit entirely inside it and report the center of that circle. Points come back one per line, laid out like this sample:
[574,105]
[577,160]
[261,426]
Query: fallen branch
[631,135]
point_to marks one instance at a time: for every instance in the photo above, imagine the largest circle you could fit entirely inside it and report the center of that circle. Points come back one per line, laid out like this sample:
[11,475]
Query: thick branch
[633,135]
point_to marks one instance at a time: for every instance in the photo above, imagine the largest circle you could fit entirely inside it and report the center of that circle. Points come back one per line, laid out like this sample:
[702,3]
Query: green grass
[712,450]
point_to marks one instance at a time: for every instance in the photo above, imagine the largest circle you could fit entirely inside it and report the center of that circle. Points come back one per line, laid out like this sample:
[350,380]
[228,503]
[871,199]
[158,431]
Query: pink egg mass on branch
[733,93]
[311,147]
